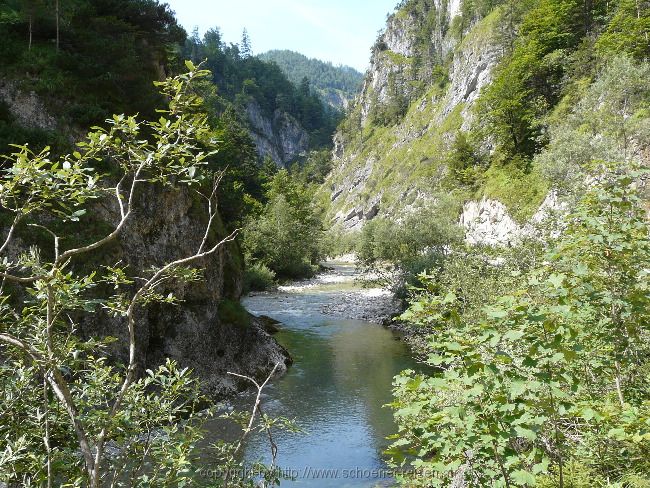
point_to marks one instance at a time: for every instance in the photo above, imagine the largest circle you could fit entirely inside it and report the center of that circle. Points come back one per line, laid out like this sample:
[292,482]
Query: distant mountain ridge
[336,85]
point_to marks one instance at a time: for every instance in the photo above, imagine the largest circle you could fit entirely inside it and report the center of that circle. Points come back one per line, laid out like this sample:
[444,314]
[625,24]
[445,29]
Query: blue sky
[340,31]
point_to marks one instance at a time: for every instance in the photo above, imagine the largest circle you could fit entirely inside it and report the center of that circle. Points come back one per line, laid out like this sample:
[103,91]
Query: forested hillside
[336,85]
[287,120]
[84,61]
[87,60]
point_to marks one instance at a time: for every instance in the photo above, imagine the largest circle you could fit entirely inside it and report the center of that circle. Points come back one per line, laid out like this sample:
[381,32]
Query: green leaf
[523,477]
[556,280]
[513,335]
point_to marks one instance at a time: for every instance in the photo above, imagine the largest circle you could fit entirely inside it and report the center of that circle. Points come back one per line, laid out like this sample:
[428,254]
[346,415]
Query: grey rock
[169,224]
[473,60]
[280,137]
[488,222]
[27,108]
[372,209]
[270,325]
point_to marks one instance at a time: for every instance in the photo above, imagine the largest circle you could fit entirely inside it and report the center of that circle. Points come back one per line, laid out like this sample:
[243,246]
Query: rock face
[382,172]
[280,137]
[487,222]
[208,332]
[28,110]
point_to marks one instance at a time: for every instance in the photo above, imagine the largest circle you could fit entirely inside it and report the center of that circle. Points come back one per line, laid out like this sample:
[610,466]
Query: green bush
[258,277]
[548,383]
[72,415]
[416,243]
[286,236]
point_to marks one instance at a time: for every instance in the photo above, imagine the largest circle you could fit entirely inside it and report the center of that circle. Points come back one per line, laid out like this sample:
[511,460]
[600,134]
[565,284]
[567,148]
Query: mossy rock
[231,312]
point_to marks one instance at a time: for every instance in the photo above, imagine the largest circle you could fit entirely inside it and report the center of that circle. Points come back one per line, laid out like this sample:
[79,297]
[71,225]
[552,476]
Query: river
[335,390]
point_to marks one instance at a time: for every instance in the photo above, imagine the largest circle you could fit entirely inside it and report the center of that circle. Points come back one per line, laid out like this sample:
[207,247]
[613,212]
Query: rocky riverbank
[360,298]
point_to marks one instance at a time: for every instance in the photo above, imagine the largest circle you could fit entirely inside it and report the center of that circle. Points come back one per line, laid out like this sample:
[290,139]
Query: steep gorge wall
[280,137]
[383,169]
[208,331]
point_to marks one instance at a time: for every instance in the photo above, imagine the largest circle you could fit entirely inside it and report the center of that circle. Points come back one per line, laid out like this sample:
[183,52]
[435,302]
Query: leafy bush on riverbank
[419,242]
[258,277]
[286,235]
[549,383]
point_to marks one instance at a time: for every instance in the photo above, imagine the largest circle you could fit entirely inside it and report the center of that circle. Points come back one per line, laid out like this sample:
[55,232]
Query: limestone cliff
[280,137]
[427,70]
[417,95]
[209,331]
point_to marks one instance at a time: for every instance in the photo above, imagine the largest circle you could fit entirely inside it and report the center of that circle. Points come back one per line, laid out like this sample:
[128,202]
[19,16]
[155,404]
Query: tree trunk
[56,13]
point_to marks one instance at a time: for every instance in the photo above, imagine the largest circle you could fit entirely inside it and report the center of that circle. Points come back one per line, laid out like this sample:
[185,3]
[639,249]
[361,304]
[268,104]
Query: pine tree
[245,49]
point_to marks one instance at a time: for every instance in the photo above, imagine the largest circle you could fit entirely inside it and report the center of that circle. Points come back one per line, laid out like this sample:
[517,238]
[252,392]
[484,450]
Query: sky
[340,31]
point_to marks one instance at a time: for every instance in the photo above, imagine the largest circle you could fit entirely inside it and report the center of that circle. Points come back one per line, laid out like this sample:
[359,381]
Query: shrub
[258,277]
[418,242]
[286,236]
[550,381]
[70,416]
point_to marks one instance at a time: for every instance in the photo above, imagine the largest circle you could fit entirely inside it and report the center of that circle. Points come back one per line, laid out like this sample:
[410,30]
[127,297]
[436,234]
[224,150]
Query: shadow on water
[335,390]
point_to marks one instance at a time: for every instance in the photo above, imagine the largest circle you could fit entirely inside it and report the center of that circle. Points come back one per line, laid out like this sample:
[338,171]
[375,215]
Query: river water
[335,390]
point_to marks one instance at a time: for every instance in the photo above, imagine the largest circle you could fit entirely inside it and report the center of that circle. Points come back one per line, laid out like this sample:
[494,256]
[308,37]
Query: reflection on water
[335,389]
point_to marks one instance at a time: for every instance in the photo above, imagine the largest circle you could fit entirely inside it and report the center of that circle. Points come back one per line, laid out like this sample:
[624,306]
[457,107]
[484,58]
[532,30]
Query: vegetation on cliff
[80,76]
[500,79]
[539,352]
[242,77]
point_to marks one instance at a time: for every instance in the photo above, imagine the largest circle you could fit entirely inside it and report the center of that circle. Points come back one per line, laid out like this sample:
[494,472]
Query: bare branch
[125,216]
[132,342]
[11,231]
[118,196]
[90,247]
[21,280]
[56,238]
[257,401]
[46,438]
[31,352]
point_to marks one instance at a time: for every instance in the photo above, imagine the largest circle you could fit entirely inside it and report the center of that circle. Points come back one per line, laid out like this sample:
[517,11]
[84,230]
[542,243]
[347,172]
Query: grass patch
[521,192]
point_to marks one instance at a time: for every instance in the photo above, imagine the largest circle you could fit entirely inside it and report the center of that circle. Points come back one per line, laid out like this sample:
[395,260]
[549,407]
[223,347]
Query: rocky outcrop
[471,70]
[487,222]
[336,99]
[280,137]
[209,332]
[26,107]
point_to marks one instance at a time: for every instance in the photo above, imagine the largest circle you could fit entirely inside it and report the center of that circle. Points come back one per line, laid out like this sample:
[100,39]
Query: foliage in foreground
[549,385]
[69,416]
